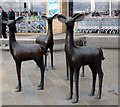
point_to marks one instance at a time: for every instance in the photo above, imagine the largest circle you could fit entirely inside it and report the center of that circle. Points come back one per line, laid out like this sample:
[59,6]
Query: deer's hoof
[75,101]
[53,68]
[46,69]
[66,78]
[82,75]
[98,97]
[18,90]
[69,97]
[40,88]
[91,94]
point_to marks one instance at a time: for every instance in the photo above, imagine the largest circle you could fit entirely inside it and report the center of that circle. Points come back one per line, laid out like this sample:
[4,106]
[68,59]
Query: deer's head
[11,23]
[70,20]
[49,19]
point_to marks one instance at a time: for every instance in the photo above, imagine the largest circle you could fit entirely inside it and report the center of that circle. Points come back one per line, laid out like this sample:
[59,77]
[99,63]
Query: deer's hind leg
[51,50]
[42,68]
[46,54]
[94,75]
[100,74]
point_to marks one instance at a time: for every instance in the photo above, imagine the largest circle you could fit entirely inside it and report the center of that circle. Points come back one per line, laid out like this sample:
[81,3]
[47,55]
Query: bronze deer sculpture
[47,40]
[23,53]
[79,56]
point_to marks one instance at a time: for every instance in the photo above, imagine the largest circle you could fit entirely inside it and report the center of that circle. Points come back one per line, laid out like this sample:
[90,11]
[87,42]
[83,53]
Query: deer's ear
[75,15]
[44,17]
[55,16]
[19,20]
[79,17]
[62,18]
[4,20]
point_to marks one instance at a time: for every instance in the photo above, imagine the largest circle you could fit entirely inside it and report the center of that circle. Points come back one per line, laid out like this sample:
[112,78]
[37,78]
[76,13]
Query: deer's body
[23,53]
[75,56]
[80,56]
[46,40]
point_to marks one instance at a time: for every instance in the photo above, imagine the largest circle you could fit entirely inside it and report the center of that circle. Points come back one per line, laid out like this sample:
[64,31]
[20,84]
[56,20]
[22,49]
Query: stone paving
[56,88]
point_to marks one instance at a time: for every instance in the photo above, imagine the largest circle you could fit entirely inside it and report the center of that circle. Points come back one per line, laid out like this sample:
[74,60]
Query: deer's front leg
[67,72]
[41,86]
[46,69]
[18,67]
[76,70]
[71,83]
[52,67]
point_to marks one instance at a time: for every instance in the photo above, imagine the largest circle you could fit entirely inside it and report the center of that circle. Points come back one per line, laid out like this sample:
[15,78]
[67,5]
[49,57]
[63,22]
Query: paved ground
[56,88]
[90,39]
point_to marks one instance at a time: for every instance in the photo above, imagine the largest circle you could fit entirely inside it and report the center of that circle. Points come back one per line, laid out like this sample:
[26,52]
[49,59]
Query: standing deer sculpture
[47,40]
[23,53]
[80,56]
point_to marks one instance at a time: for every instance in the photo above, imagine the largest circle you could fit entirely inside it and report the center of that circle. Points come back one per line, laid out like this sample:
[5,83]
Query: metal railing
[98,25]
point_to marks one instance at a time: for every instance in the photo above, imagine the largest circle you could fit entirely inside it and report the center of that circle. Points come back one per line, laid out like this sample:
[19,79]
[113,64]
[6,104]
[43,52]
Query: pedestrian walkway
[56,88]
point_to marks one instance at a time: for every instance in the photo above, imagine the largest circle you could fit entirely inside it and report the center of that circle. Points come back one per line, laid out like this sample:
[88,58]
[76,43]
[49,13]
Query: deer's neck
[12,38]
[50,32]
[69,36]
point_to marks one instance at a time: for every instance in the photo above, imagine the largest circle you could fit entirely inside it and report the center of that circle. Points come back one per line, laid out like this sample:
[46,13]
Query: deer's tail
[43,49]
[102,56]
